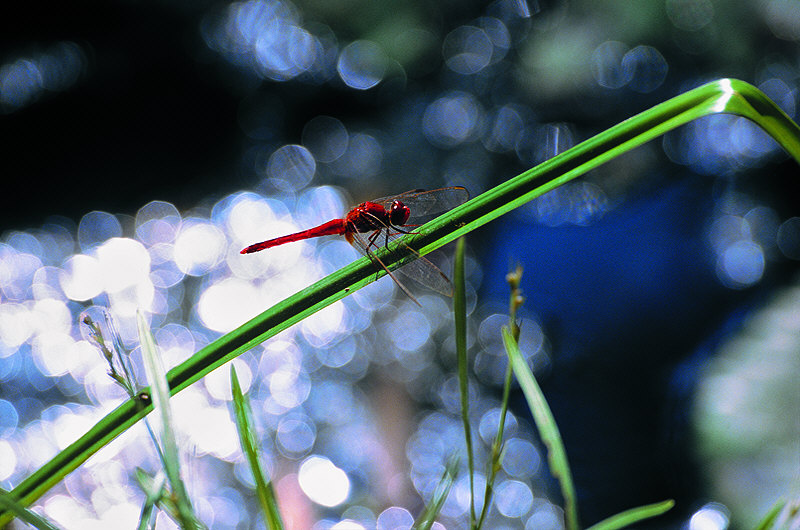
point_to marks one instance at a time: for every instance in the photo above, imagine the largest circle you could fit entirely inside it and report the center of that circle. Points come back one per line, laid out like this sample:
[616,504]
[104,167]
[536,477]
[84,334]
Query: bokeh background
[144,144]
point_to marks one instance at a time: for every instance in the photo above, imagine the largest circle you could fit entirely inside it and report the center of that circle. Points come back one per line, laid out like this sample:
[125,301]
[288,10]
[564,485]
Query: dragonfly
[375,223]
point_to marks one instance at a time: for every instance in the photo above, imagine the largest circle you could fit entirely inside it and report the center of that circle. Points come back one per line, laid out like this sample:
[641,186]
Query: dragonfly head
[399,213]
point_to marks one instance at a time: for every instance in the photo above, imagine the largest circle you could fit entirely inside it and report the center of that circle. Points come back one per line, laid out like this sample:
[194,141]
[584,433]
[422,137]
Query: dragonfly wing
[421,270]
[426,204]
[387,201]
[425,273]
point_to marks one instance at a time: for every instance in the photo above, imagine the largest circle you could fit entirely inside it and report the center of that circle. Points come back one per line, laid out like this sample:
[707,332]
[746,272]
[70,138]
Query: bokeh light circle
[467,50]
[741,264]
[323,482]
[326,137]
[789,238]
[395,518]
[81,277]
[291,167]
[200,245]
[645,67]
[362,64]
[513,498]
[452,119]
[690,15]
[607,65]
[96,227]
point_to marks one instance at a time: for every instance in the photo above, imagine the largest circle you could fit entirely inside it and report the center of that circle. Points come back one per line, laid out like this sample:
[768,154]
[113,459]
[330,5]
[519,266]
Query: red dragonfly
[385,219]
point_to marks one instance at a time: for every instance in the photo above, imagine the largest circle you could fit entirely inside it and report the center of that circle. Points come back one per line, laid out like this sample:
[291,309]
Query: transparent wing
[424,205]
[421,270]
[425,273]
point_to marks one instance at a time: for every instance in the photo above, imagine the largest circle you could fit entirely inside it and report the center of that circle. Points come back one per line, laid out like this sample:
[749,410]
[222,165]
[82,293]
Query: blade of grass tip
[159,388]
[163,499]
[460,315]
[789,516]
[428,516]
[153,489]
[784,515]
[634,515]
[770,517]
[244,422]
[548,430]
[8,503]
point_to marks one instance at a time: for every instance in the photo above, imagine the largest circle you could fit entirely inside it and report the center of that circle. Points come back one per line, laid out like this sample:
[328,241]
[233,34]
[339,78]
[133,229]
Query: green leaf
[769,518]
[783,515]
[249,441]
[431,511]
[548,430]
[10,505]
[634,515]
[722,96]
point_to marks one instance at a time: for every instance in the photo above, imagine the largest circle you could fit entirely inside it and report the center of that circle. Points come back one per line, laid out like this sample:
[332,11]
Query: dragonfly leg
[373,236]
[371,243]
[402,287]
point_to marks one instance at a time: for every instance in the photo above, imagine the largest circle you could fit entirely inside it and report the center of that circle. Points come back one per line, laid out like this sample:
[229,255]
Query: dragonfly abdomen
[331,228]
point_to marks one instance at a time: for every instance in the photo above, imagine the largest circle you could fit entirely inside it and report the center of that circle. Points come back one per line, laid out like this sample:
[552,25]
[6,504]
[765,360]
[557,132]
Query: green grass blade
[431,511]
[460,315]
[771,516]
[8,504]
[783,515]
[157,378]
[722,96]
[548,430]
[146,516]
[634,515]
[247,437]
[154,492]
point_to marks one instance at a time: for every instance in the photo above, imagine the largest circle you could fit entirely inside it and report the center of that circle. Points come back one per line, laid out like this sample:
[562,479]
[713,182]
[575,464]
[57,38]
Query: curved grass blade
[431,511]
[783,515]
[771,516]
[634,515]
[460,315]
[722,96]
[548,431]
[247,437]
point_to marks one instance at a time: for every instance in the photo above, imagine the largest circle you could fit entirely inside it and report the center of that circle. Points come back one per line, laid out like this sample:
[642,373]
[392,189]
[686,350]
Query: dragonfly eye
[399,213]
